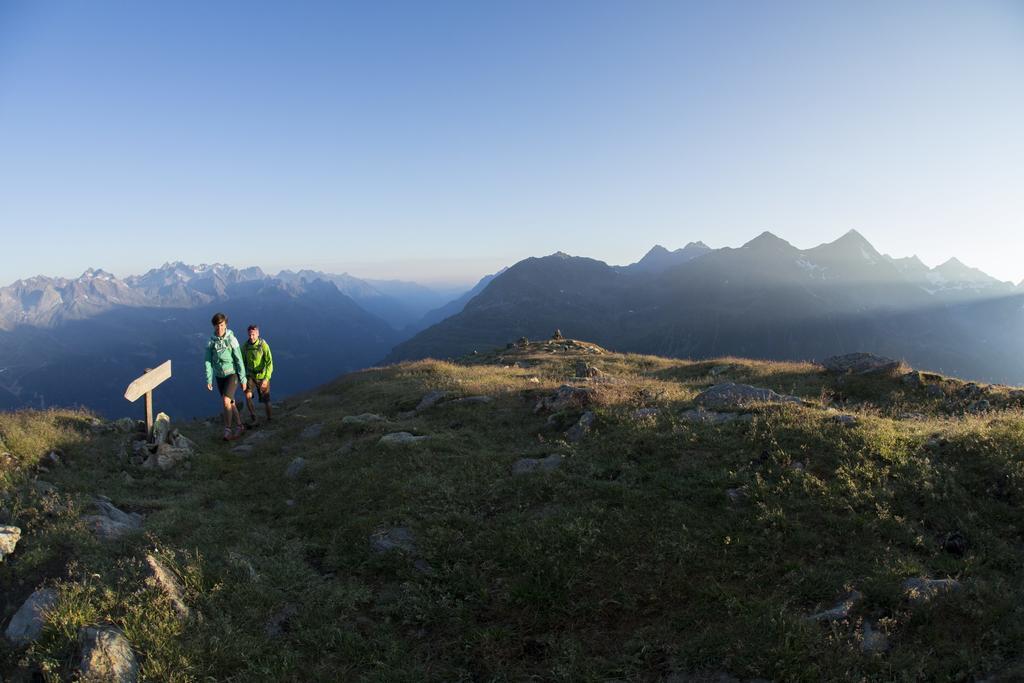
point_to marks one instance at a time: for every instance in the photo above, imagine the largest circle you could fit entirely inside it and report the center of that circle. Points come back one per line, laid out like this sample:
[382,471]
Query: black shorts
[227,386]
[254,386]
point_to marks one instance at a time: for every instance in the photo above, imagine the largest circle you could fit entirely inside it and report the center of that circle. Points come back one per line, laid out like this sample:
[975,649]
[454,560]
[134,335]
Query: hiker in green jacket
[259,366]
[224,358]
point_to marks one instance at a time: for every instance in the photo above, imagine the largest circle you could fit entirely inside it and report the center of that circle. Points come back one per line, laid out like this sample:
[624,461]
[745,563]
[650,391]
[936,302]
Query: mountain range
[80,341]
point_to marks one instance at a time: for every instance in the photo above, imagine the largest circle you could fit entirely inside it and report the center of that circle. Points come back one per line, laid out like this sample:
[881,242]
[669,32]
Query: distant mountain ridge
[766,299]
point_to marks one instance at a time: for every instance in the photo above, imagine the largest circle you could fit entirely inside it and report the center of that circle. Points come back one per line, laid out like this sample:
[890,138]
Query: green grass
[630,562]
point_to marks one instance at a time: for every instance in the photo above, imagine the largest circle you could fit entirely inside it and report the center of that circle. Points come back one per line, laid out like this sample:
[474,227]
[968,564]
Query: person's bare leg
[234,410]
[250,406]
[267,406]
[227,412]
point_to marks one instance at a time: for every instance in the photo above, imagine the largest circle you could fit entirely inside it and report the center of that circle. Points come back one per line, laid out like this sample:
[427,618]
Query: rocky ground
[550,511]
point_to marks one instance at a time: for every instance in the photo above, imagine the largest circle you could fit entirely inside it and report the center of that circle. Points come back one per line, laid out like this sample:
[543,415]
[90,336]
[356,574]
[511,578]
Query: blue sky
[440,141]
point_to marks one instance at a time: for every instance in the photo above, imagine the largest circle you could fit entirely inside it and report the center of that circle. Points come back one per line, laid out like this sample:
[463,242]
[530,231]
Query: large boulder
[860,364]
[27,623]
[107,656]
[731,396]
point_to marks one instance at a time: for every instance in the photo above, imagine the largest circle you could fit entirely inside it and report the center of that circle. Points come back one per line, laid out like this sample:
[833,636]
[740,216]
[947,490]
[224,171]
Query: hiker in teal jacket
[224,360]
[259,366]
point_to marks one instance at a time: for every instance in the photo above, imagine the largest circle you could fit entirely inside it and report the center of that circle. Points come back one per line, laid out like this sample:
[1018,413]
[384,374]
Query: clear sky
[442,140]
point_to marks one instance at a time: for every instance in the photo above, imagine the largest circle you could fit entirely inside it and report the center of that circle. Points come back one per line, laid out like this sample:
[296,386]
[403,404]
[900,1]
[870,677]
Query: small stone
[846,420]
[395,538]
[712,417]
[295,468]
[644,413]
[9,537]
[161,578]
[243,449]
[581,428]
[52,459]
[465,400]
[841,610]
[112,523]
[107,656]
[312,431]
[797,466]
[401,439]
[361,420]
[733,396]
[919,591]
[27,623]
[564,398]
[430,400]
[546,464]
[258,436]
[873,642]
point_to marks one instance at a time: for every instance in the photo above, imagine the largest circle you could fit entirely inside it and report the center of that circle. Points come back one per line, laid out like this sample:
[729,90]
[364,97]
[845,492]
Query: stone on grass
[873,642]
[243,449]
[361,420]
[846,420]
[257,437]
[711,417]
[179,440]
[112,523]
[401,439]
[161,428]
[566,397]
[919,591]
[161,578]
[107,656]
[395,538]
[859,364]
[431,399]
[27,623]
[9,537]
[736,495]
[312,431]
[644,413]
[167,457]
[581,428]
[469,400]
[527,465]
[841,610]
[733,396]
[295,468]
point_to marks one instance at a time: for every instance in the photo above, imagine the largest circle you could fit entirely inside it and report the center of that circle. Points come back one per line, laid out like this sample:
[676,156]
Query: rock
[841,610]
[161,578]
[44,488]
[860,364]
[873,642]
[179,440]
[736,495]
[361,420]
[112,523]
[280,622]
[27,623]
[797,466]
[257,437]
[167,457]
[733,396]
[846,420]
[979,406]
[430,400]
[9,537]
[161,428]
[312,431]
[935,391]
[581,428]
[107,656]
[644,413]
[709,416]
[396,538]
[469,400]
[546,464]
[919,591]
[401,439]
[566,397]
[243,449]
[295,468]
[124,424]
[52,459]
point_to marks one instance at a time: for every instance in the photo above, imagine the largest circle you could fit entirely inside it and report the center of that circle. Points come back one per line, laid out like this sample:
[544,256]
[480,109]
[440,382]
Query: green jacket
[259,363]
[224,357]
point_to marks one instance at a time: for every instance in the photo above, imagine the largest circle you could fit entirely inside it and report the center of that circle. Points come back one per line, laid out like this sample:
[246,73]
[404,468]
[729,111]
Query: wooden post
[144,385]
[149,410]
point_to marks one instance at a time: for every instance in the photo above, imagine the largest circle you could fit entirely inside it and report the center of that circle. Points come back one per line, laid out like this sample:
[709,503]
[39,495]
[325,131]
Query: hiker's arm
[236,356]
[208,362]
[268,364]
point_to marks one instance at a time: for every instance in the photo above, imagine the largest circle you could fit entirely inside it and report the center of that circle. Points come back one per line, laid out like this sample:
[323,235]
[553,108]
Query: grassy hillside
[660,548]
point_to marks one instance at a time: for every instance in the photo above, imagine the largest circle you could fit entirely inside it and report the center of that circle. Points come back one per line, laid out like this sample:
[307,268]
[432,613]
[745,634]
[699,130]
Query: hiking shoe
[227,434]
[238,431]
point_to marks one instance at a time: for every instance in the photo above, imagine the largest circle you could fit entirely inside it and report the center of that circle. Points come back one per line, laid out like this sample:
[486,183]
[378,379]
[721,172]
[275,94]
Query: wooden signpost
[144,385]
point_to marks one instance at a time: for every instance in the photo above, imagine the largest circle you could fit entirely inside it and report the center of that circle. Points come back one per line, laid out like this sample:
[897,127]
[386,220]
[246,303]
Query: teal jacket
[224,357]
[259,363]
